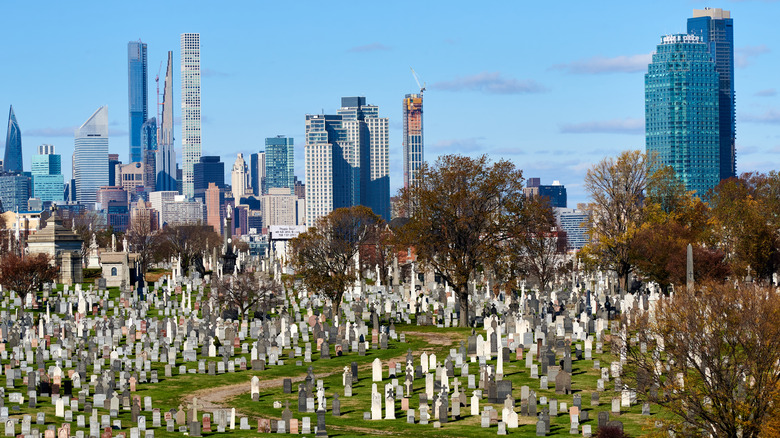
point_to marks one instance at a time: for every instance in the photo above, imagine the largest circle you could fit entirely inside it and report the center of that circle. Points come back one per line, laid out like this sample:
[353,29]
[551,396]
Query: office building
[14,191]
[257,173]
[190,109]
[131,178]
[165,163]
[13,162]
[576,224]
[347,160]
[208,169]
[115,194]
[279,163]
[412,137]
[90,156]
[137,97]
[47,177]
[681,111]
[555,193]
[715,28]
[239,179]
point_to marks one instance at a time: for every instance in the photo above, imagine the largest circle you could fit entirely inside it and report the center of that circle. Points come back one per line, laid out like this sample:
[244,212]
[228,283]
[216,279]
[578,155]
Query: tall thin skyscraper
[257,173]
[413,137]
[716,28]
[149,149]
[190,108]
[681,111]
[279,163]
[165,165]
[13,146]
[90,156]
[137,96]
[347,160]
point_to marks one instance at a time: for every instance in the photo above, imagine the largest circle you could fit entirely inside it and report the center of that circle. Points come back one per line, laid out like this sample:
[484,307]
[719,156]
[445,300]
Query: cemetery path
[437,338]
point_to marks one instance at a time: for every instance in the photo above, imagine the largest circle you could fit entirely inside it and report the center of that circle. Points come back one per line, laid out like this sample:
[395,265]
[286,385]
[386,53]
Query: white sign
[286,232]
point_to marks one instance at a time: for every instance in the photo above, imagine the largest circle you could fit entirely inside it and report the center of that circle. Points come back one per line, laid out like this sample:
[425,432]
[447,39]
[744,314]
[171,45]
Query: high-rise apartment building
[14,191]
[190,109]
[239,179]
[715,27]
[137,97]
[413,137]
[681,111]
[13,163]
[165,162]
[90,156]
[213,203]
[257,173]
[47,176]
[279,163]
[347,160]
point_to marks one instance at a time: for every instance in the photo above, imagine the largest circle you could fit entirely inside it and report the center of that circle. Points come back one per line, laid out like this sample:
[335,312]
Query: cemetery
[89,361]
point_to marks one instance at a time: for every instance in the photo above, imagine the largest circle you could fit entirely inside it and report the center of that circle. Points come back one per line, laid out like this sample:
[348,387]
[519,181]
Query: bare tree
[325,254]
[710,357]
[246,291]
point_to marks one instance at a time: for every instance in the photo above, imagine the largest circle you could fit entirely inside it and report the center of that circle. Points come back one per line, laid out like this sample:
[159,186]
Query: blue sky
[552,86]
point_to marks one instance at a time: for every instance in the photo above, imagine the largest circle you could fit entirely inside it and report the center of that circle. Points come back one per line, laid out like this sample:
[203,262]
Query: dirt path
[211,399]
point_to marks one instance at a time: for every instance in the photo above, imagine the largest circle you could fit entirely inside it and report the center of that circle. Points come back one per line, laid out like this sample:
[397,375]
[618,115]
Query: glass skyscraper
[681,111]
[47,176]
[413,137]
[716,28]
[190,108]
[279,163]
[90,156]
[137,97]
[12,162]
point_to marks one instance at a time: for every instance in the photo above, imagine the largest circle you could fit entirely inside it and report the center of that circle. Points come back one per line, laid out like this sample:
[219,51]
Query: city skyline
[531,101]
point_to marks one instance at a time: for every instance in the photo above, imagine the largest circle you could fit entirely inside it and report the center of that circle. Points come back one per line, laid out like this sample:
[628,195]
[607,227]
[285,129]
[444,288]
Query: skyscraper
[165,163]
[347,160]
[137,96]
[13,162]
[413,137]
[209,169]
[257,173]
[681,111]
[149,149]
[279,163]
[716,28]
[47,176]
[190,108]
[239,179]
[90,156]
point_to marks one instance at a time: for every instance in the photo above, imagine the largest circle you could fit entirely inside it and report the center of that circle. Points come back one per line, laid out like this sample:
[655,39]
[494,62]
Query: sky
[554,87]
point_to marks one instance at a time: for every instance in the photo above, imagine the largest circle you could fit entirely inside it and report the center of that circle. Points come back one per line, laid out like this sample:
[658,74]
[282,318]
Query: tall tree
[616,187]
[746,228]
[325,254]
[721,348]
[190,242]
[536,245]
[461,211]
[144,242]
[26,274]
[246,291]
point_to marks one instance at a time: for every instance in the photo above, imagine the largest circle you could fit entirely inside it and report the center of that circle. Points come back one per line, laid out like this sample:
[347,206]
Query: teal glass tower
[47,178]
[716,28]
[681,111]
[13,145]
[279,163]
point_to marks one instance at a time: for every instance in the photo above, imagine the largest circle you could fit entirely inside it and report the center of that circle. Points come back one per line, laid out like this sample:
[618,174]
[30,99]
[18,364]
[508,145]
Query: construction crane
[417,79]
